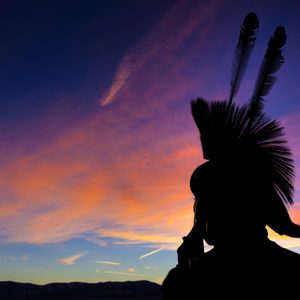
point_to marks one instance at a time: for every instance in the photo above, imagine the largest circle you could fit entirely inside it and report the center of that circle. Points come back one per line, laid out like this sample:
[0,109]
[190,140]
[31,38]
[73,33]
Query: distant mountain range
[127,290]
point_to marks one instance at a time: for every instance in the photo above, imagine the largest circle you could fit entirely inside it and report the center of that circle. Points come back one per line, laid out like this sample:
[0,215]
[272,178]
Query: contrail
[108,262]
[152,252]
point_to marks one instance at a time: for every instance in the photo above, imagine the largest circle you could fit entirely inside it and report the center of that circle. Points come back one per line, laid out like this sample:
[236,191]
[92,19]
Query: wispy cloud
[122,273]
[130,271]
[132,61]
[108,262]
[149,235]
[159,42]
[151,253]
[70,260]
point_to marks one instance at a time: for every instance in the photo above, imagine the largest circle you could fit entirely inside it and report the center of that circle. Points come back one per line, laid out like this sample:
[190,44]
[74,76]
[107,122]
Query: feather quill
[271,63]
[243,51]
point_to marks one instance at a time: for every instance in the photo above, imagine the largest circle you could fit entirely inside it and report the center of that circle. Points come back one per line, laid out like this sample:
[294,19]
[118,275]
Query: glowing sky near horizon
[97,142]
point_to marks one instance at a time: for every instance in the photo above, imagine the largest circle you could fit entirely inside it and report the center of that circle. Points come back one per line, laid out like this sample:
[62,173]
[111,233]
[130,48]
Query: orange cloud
[69,260]
[63,191]
[130,185]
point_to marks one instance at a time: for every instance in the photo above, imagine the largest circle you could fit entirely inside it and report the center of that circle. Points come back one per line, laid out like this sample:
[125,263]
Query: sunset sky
[97,142]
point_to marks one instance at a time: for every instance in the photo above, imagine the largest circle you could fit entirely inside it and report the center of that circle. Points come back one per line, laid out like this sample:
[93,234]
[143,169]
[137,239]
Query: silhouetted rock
[143,289]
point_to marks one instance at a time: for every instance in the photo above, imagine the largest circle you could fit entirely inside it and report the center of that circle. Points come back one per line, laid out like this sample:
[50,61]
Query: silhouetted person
[232,210]
[245,185]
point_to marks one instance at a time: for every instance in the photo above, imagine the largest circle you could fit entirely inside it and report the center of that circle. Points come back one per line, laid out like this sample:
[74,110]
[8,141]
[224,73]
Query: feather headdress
[244,134]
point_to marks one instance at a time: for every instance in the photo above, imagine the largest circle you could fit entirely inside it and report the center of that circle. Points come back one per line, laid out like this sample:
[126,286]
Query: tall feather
[242,52]
[271,63]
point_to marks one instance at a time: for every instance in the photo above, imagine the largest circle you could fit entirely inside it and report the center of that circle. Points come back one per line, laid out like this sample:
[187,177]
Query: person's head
[231,194]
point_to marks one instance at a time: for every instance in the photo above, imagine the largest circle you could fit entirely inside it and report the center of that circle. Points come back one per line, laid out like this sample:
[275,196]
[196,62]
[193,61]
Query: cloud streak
[151,253]
[70,260]
[113,263]
[159,42]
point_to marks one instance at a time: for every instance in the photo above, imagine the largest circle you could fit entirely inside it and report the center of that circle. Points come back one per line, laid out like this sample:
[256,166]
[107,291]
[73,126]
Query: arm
[293,230]
[280,221]
[192,247]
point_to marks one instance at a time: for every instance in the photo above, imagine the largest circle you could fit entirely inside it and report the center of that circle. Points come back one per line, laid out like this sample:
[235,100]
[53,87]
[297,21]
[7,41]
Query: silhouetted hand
[191,249]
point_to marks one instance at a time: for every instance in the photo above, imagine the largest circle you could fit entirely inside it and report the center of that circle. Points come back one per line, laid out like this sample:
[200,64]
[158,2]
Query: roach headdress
[244,135]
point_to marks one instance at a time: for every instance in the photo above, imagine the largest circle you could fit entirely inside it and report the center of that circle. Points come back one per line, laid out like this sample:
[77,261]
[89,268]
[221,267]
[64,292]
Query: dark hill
[126,290]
